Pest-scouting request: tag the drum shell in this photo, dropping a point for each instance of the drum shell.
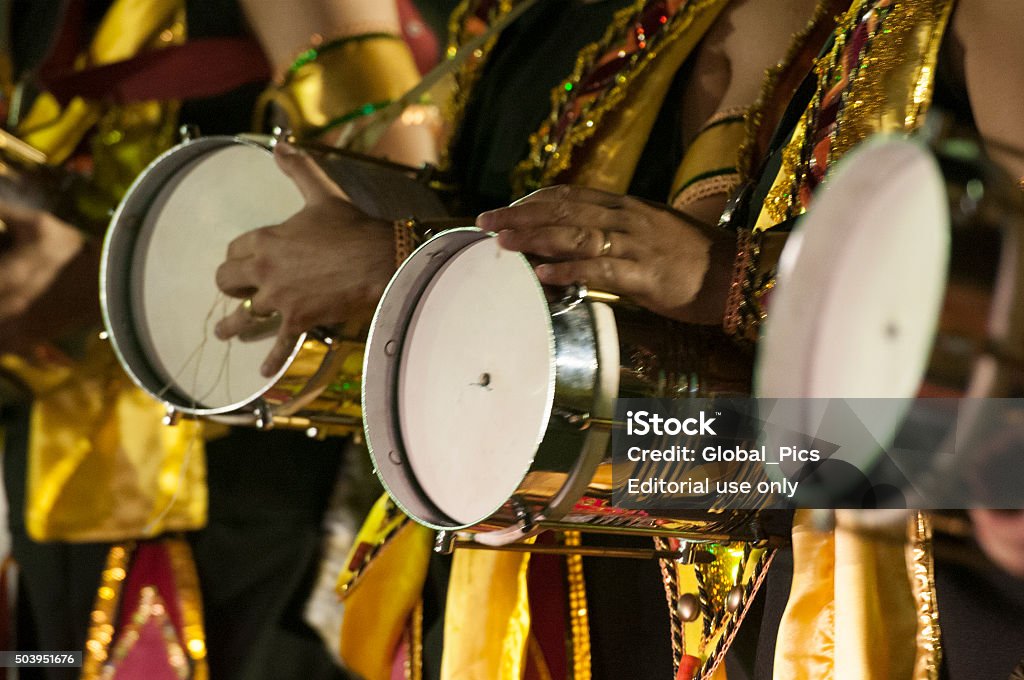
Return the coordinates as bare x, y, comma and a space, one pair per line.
979, 345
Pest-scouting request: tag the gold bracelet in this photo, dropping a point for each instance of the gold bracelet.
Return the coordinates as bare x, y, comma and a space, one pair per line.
340, 81
406, 239
319, 43
701, 188
740, 303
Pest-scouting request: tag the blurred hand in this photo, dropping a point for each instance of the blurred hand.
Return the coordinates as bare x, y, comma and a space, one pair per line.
38, 247
1000, 533
650, 254
329, 263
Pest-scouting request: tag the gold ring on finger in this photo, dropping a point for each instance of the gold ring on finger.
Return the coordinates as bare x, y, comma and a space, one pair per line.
253, 314
606, 247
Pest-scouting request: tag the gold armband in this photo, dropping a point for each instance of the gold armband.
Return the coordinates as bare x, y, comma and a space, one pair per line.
339, 81
407, 239
411, 233
709, 167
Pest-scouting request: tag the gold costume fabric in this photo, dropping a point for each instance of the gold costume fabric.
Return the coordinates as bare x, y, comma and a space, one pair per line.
877, 77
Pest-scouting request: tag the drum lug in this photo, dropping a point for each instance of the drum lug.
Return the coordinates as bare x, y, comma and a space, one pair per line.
573, 418
324, 335
444, 542
280, 134
574, 295
524, 518
172, 416
188, 133
264, 418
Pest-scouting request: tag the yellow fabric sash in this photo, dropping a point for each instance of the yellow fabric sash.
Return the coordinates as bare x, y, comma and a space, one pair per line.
487, 619
378, 601
851, 613
102, 467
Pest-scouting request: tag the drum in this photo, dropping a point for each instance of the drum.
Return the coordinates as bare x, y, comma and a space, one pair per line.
909, 265
487, 407
904, 282
160, 301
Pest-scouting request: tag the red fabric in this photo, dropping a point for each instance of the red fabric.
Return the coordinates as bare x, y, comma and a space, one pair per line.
200, 68
147, 657
67, 42
548, 602
151, 566
418, 36
688, 667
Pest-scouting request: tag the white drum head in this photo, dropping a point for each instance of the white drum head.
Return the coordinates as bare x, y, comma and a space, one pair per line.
861, 281
476, 380
182, 240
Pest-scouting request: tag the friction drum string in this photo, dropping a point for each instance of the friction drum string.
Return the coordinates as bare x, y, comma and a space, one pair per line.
196, 357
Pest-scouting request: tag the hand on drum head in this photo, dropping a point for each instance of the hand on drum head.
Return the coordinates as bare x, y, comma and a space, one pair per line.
326, 264
651, 254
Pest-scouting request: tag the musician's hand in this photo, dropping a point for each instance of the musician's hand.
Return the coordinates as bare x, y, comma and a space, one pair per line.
328, 263
1000, 533
38, 247
650, 254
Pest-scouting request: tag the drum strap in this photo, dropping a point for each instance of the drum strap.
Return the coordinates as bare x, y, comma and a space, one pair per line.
200, 68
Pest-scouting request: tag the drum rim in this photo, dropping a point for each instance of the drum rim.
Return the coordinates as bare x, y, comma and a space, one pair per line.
790, 257
122, 234
374, 430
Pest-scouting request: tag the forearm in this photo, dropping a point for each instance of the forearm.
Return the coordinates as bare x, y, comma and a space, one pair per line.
990, 32
336, 63
286, 27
